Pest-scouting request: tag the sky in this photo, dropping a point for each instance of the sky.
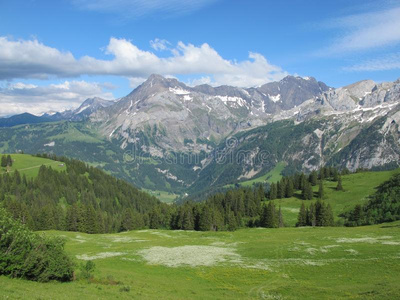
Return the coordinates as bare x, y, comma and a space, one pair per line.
56, 54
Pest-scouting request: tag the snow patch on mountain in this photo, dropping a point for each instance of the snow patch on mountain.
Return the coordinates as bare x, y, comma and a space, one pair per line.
179, 91
275, 98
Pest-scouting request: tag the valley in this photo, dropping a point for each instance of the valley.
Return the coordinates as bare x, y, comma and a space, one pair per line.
159, 139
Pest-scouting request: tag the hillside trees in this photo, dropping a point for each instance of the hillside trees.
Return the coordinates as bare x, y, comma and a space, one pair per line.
383, 206
317, 214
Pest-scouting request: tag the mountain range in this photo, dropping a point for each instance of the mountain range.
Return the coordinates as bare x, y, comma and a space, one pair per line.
168, 136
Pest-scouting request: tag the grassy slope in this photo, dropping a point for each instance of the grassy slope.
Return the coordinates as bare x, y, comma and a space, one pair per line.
272, 176
163, 196
357, 187
288, 263
29, 165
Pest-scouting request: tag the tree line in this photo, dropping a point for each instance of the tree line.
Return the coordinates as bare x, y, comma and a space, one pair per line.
86, 199
288, 185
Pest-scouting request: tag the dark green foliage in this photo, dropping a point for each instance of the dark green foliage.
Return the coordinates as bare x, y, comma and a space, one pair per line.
270, 217
289, 188
313, 178
307, 192
273, 192
87, 269
3, 161
81, 199
321, 190
339, 186
9, 161
318, 214
302, 218
24, 254
383, 206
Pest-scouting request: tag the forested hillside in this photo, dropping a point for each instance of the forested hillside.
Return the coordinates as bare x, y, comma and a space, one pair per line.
82, 198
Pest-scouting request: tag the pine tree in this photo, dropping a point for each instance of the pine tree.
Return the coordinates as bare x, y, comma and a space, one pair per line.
289, 188
302, 217
9, 161
232, 223
273, 192
311, 216
205, 220
321, 190
271, 218
313, 178
339, 186
260, 192
307, 191
4, 161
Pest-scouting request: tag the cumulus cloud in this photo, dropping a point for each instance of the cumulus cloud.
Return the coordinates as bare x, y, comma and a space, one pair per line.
138, 8
32, 59
361, 32
20, 97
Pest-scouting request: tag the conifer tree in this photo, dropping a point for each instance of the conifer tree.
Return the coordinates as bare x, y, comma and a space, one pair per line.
321, 190
9, 161
313, 178
339, 186
271, 218
302, 217
311, 216
307, 191
273, 192
4, 161
205, 220
289, 188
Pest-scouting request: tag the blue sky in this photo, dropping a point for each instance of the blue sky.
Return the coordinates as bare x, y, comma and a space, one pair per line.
54, 54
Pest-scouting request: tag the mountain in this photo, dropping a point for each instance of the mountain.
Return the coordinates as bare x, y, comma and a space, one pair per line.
21, 119
172, 116
88, 107
168, 136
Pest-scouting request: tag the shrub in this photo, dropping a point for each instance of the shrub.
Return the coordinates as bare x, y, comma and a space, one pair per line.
25, 254
87, 269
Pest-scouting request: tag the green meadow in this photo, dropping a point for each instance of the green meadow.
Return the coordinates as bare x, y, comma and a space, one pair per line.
167, 197
30, 165
287, 263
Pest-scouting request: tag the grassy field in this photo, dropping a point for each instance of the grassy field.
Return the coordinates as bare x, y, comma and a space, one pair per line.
163, 196
272, 176
287, 263
29, 165
357, 187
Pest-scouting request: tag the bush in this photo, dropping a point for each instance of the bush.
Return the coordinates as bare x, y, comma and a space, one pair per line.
87, 269
25, 254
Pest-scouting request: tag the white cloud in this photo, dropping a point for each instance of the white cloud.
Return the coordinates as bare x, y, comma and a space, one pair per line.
139, 8
388, 62
31, 59
21, 97
159, 44
365, 31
